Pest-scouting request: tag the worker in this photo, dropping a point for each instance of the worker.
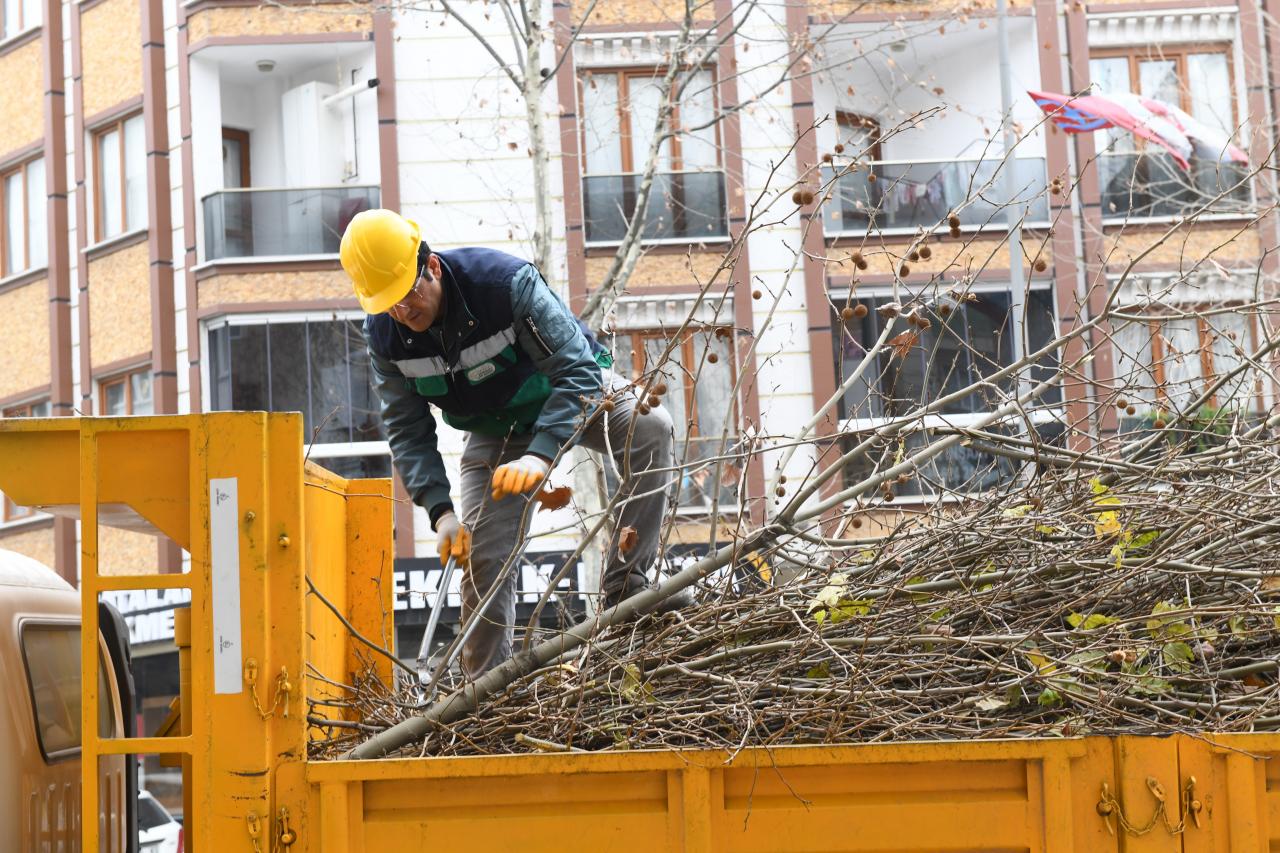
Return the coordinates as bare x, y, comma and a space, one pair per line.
479, 334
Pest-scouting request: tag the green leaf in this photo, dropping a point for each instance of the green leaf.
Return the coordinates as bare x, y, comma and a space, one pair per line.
1237, 626
1151, 686
1092, 660
1047, 530
940, 614
1017, 511
633, 689
1177, 656
917, 597
1142, 540
1049, 698
1090, 622
820, 617
848, 608
822, 670
830, 595
1042, 664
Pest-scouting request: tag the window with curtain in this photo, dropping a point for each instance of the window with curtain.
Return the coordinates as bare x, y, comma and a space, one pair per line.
619, 129
973, 341
126, 394
24, 237
1170, 362
699, 376
20, 16
120, 181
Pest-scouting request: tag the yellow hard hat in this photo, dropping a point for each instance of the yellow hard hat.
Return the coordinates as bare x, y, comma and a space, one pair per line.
380, 252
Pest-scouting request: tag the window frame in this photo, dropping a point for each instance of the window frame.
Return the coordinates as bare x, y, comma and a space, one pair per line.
1138, 53
852, 426
124, 378
19, 168
10, 511
23, 26
115, 125
318, 451
624, 74
847, 119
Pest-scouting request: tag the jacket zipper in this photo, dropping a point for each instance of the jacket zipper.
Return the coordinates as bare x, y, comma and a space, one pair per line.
537, 336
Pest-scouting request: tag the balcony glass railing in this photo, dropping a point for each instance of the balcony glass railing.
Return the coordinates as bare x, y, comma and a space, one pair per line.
257, 223
1152, 184
682, 206
910, 194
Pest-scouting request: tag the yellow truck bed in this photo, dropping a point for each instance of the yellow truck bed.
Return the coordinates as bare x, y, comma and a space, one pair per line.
234, 491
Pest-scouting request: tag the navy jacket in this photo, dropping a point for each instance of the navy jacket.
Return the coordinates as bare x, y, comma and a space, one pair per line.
507, 357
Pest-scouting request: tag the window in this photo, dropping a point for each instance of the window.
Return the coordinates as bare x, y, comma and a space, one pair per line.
1142, 180
1170, 363
51, 653
317, 367
12, 511
20, 16
24, 240
620, 111
973, 341
700, 398
120, 182
127, 394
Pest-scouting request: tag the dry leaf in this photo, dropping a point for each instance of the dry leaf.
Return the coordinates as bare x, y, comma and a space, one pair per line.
902, 344
555, 498
627, 539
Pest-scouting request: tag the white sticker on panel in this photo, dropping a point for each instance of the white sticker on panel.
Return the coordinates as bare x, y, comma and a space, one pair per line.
224, 548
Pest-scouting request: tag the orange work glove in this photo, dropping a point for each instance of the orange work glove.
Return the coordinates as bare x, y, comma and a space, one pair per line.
520, 476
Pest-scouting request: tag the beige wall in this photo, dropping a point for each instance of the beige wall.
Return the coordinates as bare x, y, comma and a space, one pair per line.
267, 20
655, 270
119, 305
24, 337
124, 552
34, 542
111, 50
238, 288
1184, 248
22, 71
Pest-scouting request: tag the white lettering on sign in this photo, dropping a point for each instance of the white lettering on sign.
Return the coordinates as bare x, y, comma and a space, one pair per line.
417, 589
224, 551
148, 612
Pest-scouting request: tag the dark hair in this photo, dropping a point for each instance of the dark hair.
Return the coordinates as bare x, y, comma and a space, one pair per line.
424, 252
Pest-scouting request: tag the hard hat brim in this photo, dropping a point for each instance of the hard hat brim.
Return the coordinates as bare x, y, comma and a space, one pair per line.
382, 301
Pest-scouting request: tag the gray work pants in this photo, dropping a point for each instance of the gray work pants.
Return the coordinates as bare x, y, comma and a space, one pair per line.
497, 533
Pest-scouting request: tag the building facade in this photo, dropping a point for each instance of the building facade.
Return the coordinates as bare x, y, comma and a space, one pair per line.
176, 177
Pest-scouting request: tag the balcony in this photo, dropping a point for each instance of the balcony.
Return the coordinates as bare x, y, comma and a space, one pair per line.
911, 194
261, 223
1152, 185
683, 206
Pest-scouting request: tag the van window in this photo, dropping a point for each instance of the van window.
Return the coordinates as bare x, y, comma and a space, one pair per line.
52, 656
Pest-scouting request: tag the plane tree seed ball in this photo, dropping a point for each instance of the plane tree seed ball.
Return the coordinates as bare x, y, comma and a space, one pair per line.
796, 198
904, 271
660, 388
926, 252
859, 311
953, 221
806, 197
712, 358
846, 313
655, 401
1040, 265
1131, 411
756, 294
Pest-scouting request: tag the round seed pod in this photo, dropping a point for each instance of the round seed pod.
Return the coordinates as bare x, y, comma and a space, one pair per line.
660, 388
1159, 424
913, 256
780, 492
871, 177
1131, 411
1122, 403
806, 197
855, 523
607, 405
756, 294
888, 496
826, 158
782, 478
846, 313
944, 310
654, 401
796, 198
858, 260
859, 311
642, 409
904, 271
712, 358
926, 252
955, 233
953, 221
924, 323
1040, 265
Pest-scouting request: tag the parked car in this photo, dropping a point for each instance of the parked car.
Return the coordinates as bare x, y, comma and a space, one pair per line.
158, 832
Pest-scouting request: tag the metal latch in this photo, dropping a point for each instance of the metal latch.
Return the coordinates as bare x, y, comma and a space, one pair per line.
1109, 807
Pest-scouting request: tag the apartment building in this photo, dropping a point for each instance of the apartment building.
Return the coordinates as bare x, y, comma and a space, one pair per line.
174, 179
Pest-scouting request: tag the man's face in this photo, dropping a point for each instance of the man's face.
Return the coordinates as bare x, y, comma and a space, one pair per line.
421, 304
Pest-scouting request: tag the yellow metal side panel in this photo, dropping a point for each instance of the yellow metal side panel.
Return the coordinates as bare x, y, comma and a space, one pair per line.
1238, 784
989, 796
325, 509
370, 569
1139, 759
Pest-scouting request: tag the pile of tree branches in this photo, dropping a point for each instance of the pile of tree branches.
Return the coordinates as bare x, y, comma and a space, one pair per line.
1135, 593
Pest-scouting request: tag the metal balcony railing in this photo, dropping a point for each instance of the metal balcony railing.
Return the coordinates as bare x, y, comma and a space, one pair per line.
1151, 184
682, 206
257, 223
909, 194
